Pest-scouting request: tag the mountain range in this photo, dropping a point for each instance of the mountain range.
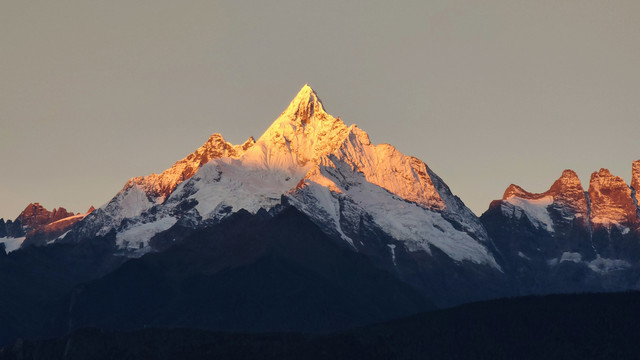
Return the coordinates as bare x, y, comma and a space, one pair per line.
311, 227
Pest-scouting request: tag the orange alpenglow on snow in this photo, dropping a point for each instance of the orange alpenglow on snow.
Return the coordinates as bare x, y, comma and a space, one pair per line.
161, 185
304, 154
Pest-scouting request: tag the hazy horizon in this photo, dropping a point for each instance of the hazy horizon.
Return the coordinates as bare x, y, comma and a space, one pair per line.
486, 94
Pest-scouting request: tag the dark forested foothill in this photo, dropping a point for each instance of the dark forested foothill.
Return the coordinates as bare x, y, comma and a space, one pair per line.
587, 326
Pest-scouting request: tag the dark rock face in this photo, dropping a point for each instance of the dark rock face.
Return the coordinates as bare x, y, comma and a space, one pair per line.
249, 273
566, 239
11, 229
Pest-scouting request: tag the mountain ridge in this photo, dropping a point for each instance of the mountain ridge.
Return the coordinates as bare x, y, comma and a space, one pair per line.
380, 202
36, 225
303, 216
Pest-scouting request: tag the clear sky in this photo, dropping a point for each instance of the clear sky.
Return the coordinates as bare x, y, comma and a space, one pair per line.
487, 93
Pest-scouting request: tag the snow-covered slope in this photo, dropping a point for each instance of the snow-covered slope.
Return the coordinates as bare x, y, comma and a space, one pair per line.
11, 243
400, 195
315, 162
159, 186
280, 158
142, 193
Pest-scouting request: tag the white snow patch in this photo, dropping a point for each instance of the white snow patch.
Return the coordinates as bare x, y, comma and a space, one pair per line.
227, 182
52, 241
393, 253
11, 244
127, 204
134, 202
523, 255
534, 210
138, 236
571, 256
322, 203
603, 265
417, 227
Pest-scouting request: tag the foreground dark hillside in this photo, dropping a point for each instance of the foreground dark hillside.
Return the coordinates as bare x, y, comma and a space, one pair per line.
251, 273
36, 283
588, 326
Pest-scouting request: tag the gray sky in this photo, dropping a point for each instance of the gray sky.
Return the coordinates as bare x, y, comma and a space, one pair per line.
487, 93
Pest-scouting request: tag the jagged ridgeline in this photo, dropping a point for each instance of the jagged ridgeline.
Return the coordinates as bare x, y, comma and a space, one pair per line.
568, 239
37, 226
369, 198
311, 227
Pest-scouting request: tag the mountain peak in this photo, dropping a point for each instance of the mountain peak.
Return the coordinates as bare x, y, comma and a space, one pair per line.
161, 185
566, 194
515, 190
36, 215
297, 139
568, 182
611, 200
304, 105
635, 180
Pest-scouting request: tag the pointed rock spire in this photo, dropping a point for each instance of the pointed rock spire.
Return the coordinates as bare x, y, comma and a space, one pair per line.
36, 215
305, 105
635, 180
567, 185
299, 136
611, 200
247, 144
568, 191
566, 195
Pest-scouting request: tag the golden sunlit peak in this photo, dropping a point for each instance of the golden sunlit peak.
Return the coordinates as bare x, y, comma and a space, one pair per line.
305, 103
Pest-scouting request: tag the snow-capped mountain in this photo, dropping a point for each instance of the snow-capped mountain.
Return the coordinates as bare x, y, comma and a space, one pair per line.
311, 223
142, 193
592, 237
566, 197
608, 203
399, 193
36, 226
371, 198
